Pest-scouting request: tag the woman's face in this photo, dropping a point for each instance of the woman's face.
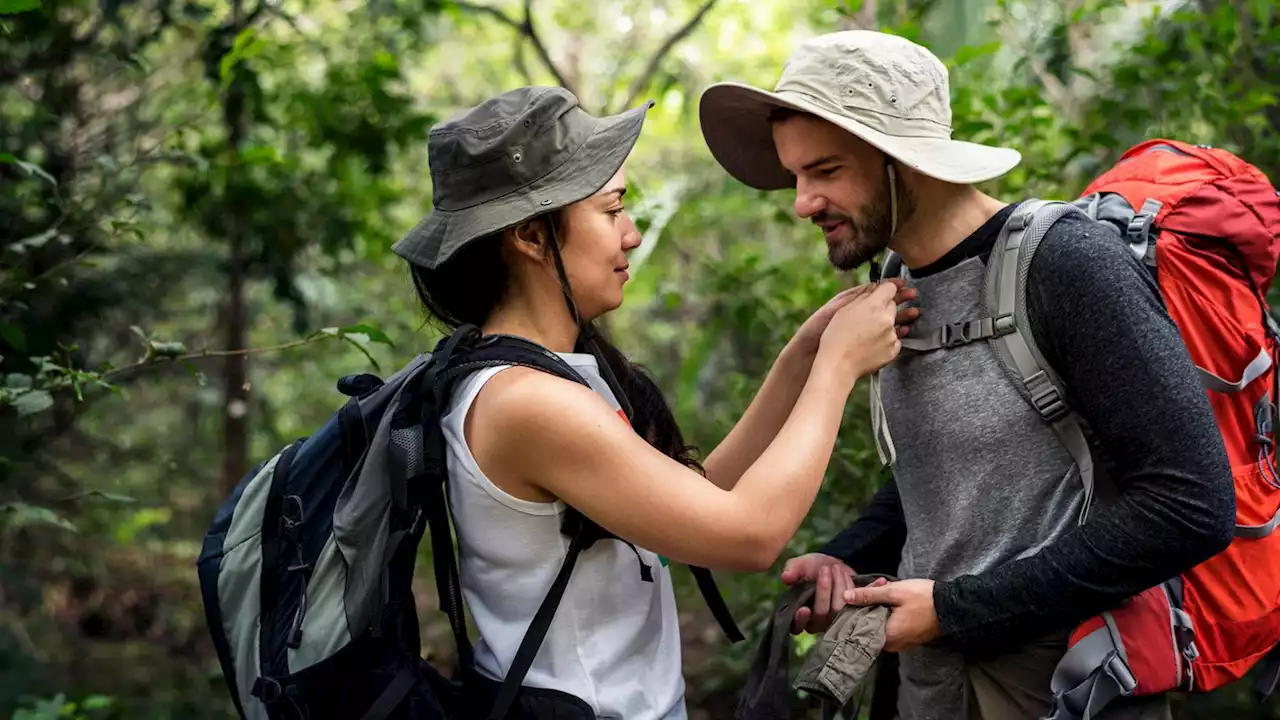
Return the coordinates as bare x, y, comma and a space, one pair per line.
597, 235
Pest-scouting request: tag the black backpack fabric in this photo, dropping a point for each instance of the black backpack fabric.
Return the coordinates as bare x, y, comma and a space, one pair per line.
307, 567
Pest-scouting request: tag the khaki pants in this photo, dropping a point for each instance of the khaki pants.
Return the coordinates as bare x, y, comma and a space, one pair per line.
1016, 687
1012, 687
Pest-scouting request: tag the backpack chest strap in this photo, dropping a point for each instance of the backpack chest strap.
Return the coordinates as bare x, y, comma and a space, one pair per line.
955, 334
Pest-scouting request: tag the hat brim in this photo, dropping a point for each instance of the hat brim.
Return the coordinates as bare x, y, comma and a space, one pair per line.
442, 233
735, 125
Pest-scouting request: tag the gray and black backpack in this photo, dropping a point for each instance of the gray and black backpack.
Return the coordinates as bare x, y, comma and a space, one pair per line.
306, 569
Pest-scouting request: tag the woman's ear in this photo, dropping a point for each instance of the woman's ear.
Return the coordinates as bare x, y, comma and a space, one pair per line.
528, 239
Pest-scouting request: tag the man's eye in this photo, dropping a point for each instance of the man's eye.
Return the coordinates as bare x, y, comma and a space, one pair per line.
829, 171
616, 212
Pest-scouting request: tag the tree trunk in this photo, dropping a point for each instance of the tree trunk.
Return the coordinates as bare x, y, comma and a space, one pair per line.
235, 407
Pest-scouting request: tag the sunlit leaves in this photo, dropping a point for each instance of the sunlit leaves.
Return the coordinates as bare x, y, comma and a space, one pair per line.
12, 7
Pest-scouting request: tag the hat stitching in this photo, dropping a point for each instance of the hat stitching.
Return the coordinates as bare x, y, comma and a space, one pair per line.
534, 181
500, 154
819, 102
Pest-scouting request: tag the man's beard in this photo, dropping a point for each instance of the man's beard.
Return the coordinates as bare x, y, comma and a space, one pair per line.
870, 235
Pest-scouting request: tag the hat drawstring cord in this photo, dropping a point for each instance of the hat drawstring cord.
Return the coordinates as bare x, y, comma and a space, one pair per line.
893, 199
879, 419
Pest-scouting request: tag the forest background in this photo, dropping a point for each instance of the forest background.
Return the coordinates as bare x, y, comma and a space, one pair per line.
197, 200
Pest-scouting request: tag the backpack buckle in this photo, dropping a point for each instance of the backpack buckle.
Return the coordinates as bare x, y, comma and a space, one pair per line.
1139, 227
267, 690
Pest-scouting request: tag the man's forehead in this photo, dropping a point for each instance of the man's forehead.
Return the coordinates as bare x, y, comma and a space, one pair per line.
805, 141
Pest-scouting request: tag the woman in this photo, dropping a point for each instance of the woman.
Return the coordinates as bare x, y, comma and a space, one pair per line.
529, 237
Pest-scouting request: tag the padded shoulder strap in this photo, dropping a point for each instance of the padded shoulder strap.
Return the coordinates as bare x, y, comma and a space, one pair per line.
1006, 297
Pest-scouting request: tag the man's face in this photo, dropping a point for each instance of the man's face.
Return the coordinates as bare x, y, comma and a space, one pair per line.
841, 185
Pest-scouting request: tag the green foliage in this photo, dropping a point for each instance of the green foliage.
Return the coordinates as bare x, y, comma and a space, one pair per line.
59, 707
11, 7
152, 151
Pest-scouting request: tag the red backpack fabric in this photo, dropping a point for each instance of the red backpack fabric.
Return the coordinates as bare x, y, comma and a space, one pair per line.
1209, 224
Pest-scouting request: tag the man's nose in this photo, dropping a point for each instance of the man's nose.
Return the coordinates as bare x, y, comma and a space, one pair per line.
808, 203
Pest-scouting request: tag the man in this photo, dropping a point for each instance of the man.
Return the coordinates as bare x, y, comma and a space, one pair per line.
981, 518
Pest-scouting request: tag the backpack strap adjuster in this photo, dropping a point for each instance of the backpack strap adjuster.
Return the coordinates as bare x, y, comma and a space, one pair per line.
268, 690
1046, 398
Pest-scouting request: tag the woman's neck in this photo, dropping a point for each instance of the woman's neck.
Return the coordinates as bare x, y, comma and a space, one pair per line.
554, 330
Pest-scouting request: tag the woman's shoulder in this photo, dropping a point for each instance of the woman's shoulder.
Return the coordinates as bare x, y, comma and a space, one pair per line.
533, 403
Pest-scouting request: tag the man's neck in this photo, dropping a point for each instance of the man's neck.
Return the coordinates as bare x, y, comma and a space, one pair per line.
944, 216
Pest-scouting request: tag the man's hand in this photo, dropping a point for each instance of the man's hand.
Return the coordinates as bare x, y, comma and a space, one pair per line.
912, 619
832, 579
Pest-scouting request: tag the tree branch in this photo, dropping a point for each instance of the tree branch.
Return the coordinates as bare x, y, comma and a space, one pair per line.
149, 361
526, 29
495, 13
642, 82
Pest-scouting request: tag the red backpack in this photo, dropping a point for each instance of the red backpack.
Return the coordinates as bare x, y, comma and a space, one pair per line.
1208, 224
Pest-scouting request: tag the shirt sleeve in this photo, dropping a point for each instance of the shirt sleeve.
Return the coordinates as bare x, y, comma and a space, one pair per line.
873, 543
1096, 312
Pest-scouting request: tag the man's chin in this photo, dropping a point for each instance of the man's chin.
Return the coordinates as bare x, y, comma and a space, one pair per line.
846, 258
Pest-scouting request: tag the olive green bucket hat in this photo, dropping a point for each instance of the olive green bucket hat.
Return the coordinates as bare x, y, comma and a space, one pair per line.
517, 155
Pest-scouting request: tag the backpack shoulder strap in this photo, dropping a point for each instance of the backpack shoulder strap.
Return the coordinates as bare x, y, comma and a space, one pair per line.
1015, 344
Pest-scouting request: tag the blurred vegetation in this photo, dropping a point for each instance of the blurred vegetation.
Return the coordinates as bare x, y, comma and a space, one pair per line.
197, 198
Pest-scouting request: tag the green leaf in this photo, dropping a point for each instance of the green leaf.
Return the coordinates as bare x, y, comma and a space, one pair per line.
140, 520
32, 402
30, 168
14, 335
18, 381
35, 241
355, 339
96, 702
113, 497
372, 333
168, 349
138, 331
247, 45
13, 7
18, 514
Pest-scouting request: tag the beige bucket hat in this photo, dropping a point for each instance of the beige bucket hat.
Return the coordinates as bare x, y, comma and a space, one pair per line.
883, 88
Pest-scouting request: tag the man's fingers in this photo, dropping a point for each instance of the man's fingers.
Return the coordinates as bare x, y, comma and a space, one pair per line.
840, 584
871, 595
795, 570
801, 621
907, 316
789, 573
822, 595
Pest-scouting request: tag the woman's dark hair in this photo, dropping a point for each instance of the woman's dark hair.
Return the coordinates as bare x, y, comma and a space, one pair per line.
465, 290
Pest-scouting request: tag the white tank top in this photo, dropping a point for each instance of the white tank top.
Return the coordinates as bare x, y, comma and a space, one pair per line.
615, 641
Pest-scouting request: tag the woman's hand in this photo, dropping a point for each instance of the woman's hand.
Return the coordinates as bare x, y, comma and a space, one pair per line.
809, 336
863, 335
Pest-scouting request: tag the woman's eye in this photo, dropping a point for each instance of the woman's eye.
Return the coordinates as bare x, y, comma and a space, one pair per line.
616, 212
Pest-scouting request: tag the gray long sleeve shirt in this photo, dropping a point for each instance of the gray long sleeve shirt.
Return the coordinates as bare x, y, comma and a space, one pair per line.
1097, 314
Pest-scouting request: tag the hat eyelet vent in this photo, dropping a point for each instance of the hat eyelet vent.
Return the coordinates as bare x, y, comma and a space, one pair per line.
517, 156
893, 99
546, 202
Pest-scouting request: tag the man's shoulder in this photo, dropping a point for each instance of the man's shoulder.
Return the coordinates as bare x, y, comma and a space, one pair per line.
1080, 249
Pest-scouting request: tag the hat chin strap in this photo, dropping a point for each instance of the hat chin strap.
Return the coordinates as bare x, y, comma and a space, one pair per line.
587, 332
